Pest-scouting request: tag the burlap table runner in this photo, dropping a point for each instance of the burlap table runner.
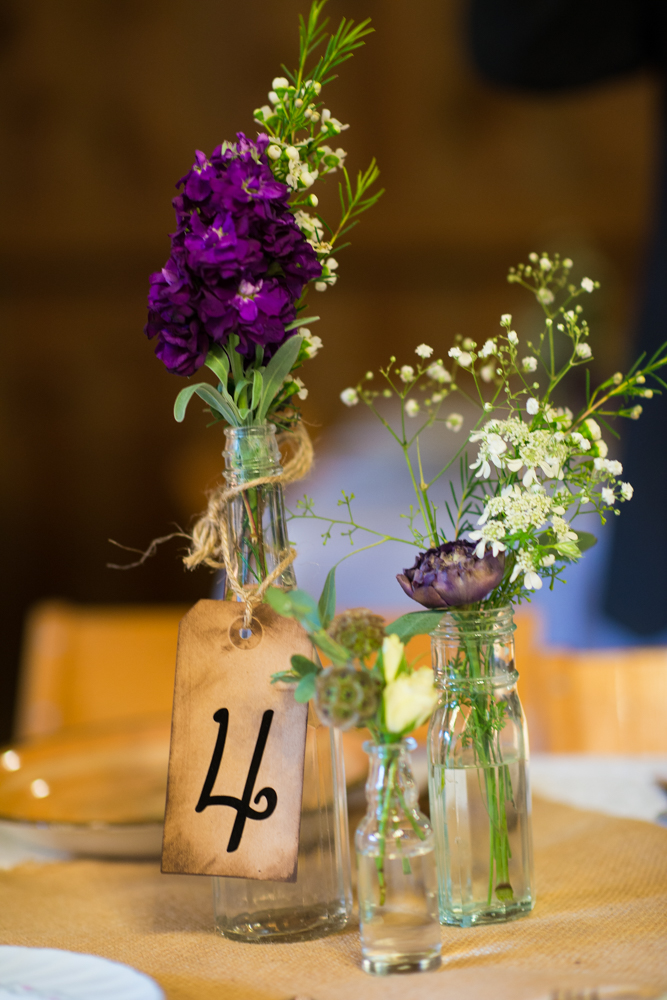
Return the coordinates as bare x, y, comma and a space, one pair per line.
600, 920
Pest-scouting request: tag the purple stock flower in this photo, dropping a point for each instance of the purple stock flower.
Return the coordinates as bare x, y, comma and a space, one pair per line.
239, 262
452, 575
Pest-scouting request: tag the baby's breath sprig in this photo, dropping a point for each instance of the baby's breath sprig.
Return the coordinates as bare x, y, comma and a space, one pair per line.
537, 466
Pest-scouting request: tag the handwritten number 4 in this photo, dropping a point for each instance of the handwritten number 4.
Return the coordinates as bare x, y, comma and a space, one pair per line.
243, 808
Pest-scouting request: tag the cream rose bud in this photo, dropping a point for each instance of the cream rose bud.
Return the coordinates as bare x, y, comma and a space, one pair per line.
392, 654
409, 700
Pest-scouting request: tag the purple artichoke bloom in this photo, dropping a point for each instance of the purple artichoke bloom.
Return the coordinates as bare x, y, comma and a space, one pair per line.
239, 262
452, 575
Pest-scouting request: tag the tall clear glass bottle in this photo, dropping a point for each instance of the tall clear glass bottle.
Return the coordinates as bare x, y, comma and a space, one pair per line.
478, 772
398, 907
320, 901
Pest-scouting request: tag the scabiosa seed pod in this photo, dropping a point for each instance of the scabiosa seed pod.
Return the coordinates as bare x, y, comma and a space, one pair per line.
452, 575
359, 631
345, 697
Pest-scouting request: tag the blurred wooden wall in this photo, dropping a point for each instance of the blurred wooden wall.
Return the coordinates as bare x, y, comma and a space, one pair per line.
102, 103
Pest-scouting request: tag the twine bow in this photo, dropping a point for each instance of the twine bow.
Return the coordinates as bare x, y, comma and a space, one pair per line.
210, 535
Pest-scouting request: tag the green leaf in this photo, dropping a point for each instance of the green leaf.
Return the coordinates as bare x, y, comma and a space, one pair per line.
286, 676
276, 372
218, 362
585, 540
302, 322
257, 386
414, 623
279, 601
221, 402
305, 689
301, 665
330, 647
225, 407
294, 604
327, 602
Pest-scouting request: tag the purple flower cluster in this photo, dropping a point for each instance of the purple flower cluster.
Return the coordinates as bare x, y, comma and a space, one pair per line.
238, 262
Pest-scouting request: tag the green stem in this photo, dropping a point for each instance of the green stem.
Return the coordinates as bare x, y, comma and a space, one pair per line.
382, 831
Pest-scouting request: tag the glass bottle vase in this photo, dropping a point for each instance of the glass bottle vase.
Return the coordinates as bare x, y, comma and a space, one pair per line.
478, 772
397, 888
320, 901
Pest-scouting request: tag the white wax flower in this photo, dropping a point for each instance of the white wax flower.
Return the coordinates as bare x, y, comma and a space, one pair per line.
532, 406
303, 392
349, 396
594, 428
292, 153
424, 351
532, 581
409, 700
280, 83
273, 97
313, 344
274, 151
587, 284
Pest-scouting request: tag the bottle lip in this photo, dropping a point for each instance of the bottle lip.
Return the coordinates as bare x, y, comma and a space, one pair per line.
254, 429
408, 743
471, 621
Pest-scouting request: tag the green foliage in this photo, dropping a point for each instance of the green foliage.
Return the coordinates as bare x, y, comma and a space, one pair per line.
327, 603
414, 623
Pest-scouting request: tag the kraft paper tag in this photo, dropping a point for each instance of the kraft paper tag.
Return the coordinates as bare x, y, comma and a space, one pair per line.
237, 747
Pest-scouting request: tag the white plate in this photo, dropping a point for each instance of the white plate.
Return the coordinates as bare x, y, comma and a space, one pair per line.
51, 974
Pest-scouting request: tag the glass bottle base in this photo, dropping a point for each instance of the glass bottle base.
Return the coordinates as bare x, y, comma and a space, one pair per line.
497, 913
399, 965
275, 926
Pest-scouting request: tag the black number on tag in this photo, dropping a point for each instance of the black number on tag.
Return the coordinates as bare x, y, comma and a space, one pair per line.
243, 808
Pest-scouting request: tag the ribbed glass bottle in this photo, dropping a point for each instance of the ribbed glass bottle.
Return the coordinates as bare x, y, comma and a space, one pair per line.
478, 772
320, 901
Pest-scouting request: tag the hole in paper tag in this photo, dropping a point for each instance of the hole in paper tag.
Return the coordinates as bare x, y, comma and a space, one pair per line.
243, 637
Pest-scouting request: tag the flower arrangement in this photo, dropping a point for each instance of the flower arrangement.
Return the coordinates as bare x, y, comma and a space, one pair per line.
537, 466
529, 469
369, 683
245, 251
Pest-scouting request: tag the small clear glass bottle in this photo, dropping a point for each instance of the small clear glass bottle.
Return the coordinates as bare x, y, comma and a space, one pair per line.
397, 889
478, 772
320, 901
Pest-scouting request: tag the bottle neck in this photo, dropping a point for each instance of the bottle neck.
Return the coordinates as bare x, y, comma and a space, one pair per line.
251, 453
391, 783
475, 648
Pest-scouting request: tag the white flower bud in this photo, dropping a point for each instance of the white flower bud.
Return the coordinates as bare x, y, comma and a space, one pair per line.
292, 153
350, 397
273, 97
407, 373
274, 152
280, 83
532, 406
529, 364
412, 407
313, 200
587, 284
512, 337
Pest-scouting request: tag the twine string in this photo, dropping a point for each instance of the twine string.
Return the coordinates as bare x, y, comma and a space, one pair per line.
210, 535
